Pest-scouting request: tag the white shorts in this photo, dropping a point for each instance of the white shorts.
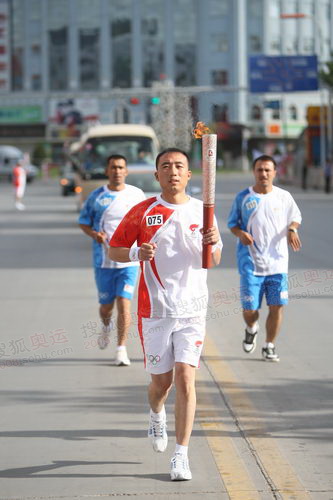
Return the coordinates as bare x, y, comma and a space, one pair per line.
19, 190
167, 341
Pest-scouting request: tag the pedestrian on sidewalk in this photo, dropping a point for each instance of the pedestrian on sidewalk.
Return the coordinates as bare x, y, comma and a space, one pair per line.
265, 220
19, 183
102, 212
173, 296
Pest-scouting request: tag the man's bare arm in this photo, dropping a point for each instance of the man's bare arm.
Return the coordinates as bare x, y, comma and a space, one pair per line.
245, 237
293, 237
100, 237
122, 254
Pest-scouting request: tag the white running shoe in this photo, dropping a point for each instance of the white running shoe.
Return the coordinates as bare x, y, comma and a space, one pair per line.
269, 354
19, 206
180, 469
103, 340
122, 359
250, 342
158, 435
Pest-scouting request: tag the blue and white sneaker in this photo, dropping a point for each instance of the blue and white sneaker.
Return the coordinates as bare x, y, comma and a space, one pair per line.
158, 435
269, 354
250, 342
103, 339
180, 469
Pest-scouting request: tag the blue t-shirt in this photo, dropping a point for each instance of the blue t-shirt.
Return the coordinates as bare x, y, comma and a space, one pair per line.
103, 211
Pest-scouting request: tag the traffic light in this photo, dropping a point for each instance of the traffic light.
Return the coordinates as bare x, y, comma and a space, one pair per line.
155, 100
134, 100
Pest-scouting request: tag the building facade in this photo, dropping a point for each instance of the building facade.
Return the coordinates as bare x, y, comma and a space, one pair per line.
64, 63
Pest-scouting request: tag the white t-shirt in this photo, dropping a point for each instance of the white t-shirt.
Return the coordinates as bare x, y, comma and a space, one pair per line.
173, 284
121, 202
266, 217
103, 211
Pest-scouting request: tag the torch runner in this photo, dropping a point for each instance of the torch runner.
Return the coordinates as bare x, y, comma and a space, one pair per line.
209, 143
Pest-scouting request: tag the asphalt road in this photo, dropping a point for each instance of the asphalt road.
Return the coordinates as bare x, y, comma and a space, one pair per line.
74, 426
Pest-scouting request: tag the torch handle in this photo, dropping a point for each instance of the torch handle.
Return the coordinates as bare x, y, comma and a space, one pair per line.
208, 222
209, 143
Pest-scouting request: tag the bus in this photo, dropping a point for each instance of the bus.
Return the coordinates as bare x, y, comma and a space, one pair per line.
138, 143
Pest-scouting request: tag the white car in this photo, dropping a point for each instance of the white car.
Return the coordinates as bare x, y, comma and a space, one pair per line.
9, 156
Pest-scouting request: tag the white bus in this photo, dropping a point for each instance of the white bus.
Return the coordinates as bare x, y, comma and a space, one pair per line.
138, 143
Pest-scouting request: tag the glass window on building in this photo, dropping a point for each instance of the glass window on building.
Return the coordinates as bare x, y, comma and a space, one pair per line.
121, 41
220, 113
185, 42
309, 44
89, 40
219, 77
218, 8
276, 114
35, 10
307, 7
58, 44
17, 55
89, 44
152, 33
35, 44
255, 8
274, 9
328, 10
219, 42
36, 67
290, 8
290, 44
256, 113
36, 81
255, 43
275, 45
292, 112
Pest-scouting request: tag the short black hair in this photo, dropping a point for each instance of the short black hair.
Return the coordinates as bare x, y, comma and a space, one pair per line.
115, 157
171, 150
264, 158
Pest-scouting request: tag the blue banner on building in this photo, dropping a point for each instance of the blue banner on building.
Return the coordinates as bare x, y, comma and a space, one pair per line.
282, 73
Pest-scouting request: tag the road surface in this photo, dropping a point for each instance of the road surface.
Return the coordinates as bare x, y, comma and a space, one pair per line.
73, 426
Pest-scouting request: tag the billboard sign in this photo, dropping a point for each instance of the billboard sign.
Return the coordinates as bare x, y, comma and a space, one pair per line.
283, 73
68, 116
73, 111
21, 114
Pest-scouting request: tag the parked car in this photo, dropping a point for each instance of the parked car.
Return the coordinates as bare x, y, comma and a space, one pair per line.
9, 156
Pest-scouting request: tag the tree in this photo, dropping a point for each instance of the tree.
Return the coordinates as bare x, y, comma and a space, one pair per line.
326, 74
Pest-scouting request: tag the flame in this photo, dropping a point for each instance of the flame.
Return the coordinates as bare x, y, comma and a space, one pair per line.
200, 130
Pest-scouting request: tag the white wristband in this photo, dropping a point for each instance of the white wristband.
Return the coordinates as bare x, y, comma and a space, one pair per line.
134, 254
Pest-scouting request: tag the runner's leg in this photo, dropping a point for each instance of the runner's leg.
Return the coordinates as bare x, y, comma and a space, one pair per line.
105, 313
158, 390
273, 322
123, 319
185, 402
250, 317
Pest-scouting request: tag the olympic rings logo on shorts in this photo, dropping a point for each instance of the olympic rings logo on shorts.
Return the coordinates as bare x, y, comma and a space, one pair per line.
153, 359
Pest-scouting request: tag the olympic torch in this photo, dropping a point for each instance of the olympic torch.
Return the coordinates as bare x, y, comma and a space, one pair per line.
209, 143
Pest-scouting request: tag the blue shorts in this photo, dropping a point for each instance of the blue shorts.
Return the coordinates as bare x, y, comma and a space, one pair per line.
252, 289
112, 283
